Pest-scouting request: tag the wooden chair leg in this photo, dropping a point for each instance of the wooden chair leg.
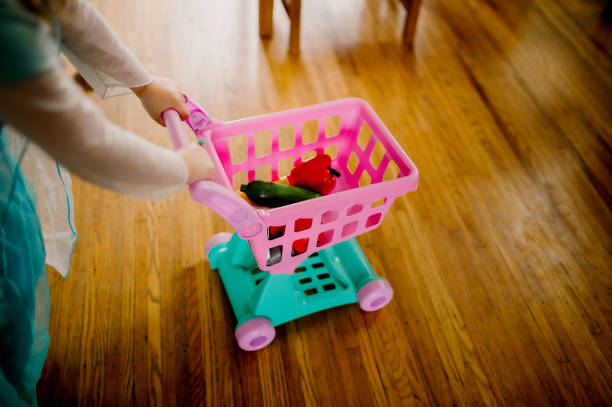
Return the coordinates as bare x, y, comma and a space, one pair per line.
266, 7
412, 14
294, 10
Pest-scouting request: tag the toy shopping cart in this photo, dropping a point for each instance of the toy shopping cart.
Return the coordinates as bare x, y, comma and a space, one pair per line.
268, 283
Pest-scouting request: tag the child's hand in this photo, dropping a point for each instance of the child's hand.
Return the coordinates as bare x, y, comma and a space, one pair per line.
198, 162
159, 95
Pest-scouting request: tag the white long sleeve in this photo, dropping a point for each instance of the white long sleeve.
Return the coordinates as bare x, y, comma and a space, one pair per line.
97, 53
52, 111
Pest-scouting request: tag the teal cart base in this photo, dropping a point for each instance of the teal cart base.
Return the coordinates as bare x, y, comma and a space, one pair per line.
332, 277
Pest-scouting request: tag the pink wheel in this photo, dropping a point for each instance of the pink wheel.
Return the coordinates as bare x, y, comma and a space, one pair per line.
215, 240
375, 295
255, 334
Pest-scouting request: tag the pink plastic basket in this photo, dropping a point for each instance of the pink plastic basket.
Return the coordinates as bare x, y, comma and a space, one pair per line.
375, 170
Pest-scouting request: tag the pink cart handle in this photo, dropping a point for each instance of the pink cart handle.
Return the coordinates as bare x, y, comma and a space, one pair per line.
227, 204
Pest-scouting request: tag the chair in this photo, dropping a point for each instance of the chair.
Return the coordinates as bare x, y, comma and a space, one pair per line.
294, 8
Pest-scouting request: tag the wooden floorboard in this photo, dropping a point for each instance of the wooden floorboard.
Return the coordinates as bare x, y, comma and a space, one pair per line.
500, 261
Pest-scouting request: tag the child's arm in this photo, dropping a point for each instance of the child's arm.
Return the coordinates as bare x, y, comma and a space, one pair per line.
97, 52
107, 64
53, 112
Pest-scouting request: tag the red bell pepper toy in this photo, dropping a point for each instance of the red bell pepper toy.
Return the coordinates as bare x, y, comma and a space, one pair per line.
315, 174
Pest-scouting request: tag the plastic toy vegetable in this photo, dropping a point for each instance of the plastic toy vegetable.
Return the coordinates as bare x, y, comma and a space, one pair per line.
274, 195
300, 245
315, 174
283, 181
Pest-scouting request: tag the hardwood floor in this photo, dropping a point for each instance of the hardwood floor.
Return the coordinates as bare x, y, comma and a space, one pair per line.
500, 261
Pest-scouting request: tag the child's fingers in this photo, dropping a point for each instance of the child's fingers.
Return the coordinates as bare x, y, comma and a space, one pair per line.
179, 102
199, 164
183, 111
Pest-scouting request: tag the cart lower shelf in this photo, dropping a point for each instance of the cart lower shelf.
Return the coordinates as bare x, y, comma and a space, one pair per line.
335, 276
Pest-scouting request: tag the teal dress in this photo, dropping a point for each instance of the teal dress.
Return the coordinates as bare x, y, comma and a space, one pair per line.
24, 290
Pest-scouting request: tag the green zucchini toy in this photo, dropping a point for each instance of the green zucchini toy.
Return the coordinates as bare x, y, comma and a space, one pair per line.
274, 195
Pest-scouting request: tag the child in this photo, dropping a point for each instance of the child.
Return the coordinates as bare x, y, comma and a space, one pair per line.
39, 103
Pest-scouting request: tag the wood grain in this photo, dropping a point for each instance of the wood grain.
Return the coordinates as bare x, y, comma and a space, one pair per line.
500, 262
